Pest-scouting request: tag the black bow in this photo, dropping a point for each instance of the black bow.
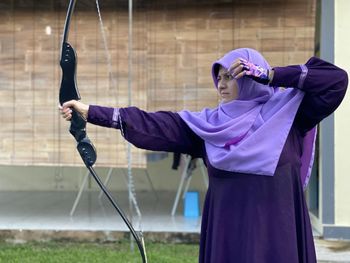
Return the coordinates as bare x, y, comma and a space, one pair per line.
87, 151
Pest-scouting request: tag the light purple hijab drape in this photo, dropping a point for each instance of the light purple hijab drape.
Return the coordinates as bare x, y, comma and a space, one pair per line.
247, 135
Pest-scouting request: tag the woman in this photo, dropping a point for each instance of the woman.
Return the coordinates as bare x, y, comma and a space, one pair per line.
258, 148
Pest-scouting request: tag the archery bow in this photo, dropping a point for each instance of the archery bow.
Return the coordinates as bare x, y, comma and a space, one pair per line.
87, 151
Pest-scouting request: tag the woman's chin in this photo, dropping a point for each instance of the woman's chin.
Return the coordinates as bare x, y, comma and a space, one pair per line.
226, 100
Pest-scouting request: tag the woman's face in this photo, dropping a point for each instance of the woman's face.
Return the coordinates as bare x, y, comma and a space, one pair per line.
227, 86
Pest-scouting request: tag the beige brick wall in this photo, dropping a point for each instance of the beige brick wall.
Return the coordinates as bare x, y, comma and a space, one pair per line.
174, 44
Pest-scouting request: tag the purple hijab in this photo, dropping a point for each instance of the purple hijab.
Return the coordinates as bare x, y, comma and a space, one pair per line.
247, 135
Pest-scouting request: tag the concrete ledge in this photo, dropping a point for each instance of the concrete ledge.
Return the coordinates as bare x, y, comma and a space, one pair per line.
336, 232
22, 236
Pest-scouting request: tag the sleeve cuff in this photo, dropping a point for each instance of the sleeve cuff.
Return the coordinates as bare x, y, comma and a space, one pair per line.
302, 77
103, 116
287, 76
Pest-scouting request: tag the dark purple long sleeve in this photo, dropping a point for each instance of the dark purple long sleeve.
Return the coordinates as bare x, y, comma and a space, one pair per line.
157, 131
103, 116
324, 85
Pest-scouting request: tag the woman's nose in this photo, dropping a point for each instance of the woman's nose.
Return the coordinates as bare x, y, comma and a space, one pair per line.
221, 85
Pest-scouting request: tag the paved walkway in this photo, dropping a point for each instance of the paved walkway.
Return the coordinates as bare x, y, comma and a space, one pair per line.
332, 251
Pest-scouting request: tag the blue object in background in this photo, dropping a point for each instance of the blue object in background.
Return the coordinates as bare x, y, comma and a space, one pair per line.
191, 206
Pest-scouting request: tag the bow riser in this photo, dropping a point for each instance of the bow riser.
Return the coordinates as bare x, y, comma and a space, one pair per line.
69, 90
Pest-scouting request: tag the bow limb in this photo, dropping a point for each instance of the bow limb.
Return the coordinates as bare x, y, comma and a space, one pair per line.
69, 91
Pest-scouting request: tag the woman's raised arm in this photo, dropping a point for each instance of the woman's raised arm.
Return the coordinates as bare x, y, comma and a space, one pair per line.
324, 85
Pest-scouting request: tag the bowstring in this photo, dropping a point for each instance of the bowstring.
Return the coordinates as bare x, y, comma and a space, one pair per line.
114, 83
105, 46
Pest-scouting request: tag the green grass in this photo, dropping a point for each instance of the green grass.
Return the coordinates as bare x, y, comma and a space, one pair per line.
60, 252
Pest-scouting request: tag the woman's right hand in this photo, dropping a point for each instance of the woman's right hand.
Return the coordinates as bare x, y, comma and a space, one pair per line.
66, 109
242, 67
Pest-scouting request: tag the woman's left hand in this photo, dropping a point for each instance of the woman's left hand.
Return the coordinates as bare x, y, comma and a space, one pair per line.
66, 109
242, 67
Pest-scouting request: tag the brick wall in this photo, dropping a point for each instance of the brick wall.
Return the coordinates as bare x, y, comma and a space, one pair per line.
174, 44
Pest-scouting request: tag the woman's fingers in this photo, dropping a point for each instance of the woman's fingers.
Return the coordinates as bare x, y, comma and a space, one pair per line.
234, 66
237, 68
66, 114
66, 109
78, 106
241, 74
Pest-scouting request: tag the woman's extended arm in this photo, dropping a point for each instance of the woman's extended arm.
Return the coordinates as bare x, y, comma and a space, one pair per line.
324, 85
157, 131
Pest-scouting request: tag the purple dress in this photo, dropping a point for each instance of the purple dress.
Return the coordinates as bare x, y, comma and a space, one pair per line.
246, 218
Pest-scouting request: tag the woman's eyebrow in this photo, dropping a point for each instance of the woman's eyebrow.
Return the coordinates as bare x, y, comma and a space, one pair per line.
223, 73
